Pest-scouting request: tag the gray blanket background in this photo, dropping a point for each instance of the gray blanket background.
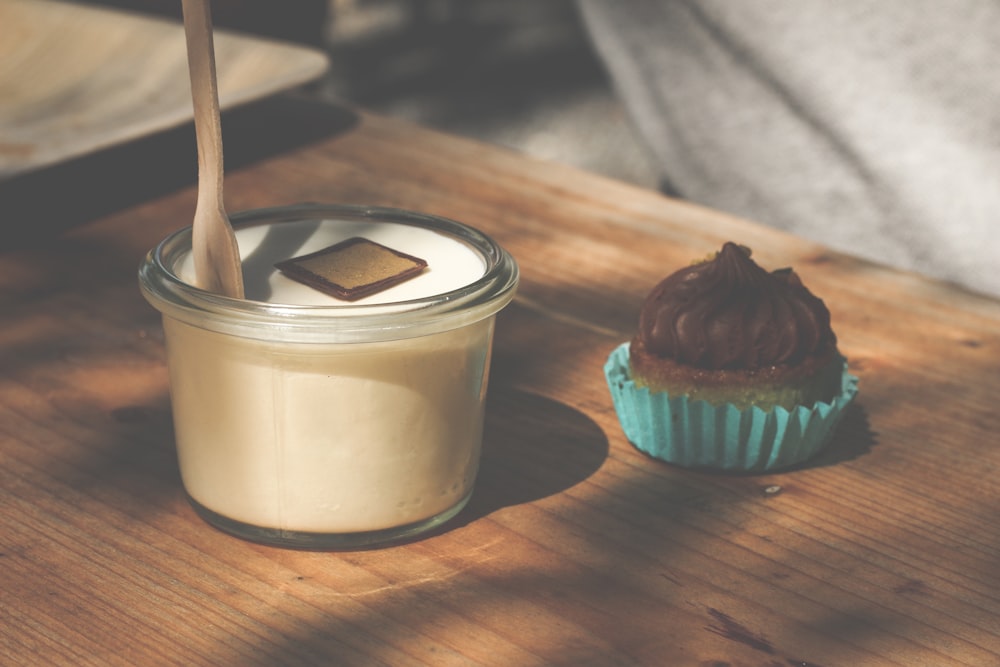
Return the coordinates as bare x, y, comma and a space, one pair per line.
870, 125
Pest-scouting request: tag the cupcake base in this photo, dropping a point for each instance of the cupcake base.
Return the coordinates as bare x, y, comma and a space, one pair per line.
817, 377
698, 434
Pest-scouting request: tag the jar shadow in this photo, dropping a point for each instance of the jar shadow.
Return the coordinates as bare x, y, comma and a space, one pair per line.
533, 448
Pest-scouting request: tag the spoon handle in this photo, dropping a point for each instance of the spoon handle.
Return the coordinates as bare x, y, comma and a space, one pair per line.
216, 253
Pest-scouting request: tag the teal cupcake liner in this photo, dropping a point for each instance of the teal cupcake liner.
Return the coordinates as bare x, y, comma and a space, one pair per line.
697, 434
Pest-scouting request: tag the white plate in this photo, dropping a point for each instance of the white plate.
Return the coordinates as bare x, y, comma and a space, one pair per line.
75, 79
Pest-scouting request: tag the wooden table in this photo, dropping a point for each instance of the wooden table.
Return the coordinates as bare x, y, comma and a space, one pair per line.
576, 549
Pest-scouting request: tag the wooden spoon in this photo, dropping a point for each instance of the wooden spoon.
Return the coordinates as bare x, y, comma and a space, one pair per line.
216, 254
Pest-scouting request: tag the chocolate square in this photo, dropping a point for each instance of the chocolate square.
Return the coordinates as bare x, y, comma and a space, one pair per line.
352, 269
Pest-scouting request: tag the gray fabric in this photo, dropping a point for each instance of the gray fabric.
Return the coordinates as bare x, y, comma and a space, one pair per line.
870, 125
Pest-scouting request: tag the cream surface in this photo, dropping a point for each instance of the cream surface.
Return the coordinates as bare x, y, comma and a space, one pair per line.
450, 263
332, 438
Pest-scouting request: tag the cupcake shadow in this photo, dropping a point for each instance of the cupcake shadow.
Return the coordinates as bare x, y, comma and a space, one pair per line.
852, 439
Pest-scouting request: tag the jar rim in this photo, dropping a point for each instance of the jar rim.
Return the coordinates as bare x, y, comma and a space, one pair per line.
173, 297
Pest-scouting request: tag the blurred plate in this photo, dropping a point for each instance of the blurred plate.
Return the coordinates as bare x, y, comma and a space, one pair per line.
75, 79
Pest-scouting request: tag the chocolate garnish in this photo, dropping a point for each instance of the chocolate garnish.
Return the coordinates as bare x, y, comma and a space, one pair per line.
728, 312
352, 269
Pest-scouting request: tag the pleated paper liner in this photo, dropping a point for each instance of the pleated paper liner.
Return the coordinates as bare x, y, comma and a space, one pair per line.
697, 434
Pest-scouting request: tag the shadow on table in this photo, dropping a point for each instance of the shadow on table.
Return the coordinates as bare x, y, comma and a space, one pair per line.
853, 439
44, 203
562, 448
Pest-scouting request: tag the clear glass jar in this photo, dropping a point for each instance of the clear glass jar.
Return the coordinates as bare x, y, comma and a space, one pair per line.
330, 426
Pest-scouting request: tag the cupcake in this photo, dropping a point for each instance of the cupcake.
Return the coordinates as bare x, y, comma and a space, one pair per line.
732, 367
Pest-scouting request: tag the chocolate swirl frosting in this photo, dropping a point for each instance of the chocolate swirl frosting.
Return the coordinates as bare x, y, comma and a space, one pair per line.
729, 313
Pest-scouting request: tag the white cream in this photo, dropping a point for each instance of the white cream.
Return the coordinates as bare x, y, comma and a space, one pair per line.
450, 263
332, 438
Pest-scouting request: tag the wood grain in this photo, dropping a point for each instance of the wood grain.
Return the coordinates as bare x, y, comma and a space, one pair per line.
576, 548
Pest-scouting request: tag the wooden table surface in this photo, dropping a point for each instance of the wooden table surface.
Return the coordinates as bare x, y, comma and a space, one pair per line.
576, 549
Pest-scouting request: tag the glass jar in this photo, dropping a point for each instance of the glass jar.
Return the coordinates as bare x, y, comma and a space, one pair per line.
326, 424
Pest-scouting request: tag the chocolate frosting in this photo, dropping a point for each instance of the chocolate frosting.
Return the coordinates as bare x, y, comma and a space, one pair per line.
729, 313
